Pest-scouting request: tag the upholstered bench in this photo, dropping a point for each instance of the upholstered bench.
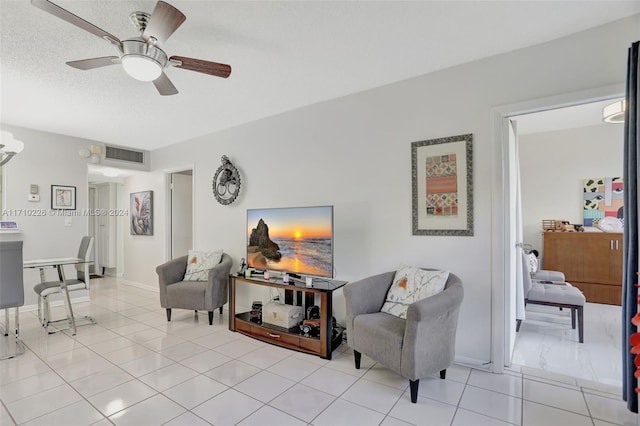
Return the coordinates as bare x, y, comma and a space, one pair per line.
549, 288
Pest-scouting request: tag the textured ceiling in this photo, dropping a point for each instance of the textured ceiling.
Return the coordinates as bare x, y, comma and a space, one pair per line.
284, 54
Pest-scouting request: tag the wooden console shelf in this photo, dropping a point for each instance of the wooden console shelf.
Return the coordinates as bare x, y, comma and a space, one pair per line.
292, 338
591, 261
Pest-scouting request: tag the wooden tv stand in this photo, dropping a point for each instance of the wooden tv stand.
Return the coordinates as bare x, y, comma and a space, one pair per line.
291, 338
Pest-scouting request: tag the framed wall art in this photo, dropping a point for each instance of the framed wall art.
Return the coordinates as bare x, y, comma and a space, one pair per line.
63, 197
603, 197
442, 186
141, 212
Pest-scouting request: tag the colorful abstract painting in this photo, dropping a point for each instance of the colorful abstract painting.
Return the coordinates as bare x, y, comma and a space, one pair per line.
442, 185
603, 197
140, 210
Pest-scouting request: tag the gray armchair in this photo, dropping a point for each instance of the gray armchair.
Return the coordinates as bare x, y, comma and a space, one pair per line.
195, 295
415, 348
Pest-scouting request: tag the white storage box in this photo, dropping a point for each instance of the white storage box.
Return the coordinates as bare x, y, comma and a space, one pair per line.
286, 316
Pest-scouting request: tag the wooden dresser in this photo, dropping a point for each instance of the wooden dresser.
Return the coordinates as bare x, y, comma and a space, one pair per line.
591, 261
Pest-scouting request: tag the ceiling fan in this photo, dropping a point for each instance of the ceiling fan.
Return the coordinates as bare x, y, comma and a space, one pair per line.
141, 57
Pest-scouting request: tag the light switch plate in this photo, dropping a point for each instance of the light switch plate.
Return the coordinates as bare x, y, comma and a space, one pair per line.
33, 189
34, 197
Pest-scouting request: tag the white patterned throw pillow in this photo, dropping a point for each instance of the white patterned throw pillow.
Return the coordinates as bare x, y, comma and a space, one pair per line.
532, 260
410, 285
199, 263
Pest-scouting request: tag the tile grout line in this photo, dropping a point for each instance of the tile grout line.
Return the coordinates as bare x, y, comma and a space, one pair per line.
359, 379
67, 383
522, 379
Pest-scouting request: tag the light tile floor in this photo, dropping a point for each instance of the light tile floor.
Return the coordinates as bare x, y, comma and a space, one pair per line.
546, 341
134, 368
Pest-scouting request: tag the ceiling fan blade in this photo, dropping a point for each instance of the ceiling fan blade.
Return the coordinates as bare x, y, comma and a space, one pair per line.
164, 85
64, 14
205, 67
89, 64
164, 20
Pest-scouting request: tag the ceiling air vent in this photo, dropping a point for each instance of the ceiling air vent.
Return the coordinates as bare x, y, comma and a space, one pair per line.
120, 154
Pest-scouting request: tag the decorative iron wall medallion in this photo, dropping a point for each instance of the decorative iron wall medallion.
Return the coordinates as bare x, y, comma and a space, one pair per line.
226, 182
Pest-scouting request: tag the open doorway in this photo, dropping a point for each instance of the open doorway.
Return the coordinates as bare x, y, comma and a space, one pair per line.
558, 150
108, 218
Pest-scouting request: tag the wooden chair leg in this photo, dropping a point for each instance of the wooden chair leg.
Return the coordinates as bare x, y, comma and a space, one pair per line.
413, 384
168, 314
210, 317
357, 356
443, 374
518, 322
580, 324
220, 310
573, 318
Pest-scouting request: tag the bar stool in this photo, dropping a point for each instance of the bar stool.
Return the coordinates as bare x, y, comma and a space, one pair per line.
47, 288
11, 292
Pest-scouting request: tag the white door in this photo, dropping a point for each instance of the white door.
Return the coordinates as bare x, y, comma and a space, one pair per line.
106, 236
93, 228
514, 296
181, 213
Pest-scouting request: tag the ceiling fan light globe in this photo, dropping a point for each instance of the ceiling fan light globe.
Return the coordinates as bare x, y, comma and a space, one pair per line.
141, 67
10, 145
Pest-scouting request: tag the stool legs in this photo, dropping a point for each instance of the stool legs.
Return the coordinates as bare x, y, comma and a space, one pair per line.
19, 348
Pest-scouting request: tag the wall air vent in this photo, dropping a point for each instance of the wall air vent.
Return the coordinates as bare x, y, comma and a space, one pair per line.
120, 154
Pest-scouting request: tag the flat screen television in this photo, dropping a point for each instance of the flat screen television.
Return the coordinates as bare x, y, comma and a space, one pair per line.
296, 240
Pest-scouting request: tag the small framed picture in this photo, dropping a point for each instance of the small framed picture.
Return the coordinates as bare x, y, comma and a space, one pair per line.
63, 197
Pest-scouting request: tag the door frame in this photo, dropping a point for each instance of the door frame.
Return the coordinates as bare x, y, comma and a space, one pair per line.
500, 184
167, 178
92, 200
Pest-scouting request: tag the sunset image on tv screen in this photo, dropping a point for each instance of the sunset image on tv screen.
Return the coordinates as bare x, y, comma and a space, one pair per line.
297, 240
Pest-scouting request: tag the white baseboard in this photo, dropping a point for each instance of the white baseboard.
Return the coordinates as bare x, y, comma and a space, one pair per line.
59, 302
477, 364
110, 272
140, 285
54, 303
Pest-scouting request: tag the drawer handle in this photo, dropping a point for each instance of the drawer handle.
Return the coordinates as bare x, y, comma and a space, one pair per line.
617, 244
276, 336
611, 241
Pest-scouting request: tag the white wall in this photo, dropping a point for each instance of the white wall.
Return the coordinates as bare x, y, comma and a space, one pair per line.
553, 166
48, 159
181, 214
142, 253
355, 153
